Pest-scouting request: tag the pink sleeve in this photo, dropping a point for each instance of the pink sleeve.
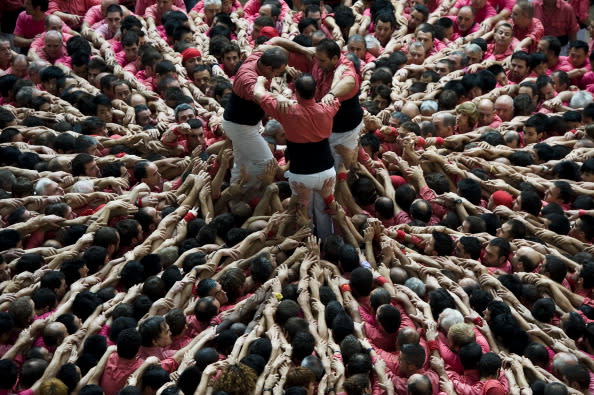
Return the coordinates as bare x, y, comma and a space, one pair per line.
284, 9
461, 3
37, 44
53, 7
251, 8
180, 4
481, 340
491, 12
199, 7
536, 32
150, 13
405, 320
141, 6
93, 16
19, 28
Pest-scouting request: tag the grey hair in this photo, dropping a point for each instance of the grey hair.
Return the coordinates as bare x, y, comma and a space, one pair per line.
450, 318
83, 186
357, 38
272, 127
212, 2
41, 184
416, 44
473, 48
371, 42
580, 99
24, 96
429, 105
416, 285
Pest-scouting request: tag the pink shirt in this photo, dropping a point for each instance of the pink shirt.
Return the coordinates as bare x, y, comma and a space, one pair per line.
558, 22
401, 382
116, 372
251, 9
489, 55
27, 27
78, 7
580, 8
450, 358
39, 42
94, 15
501, 5
459, 33
486, 12
153, 12
535, 32
142, 5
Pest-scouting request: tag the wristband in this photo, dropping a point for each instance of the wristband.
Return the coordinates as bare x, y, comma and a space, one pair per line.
433, 345
393, 131
345, 287
342, 176
139, 202
120, 155
582, 212
439, 141
400, 235
329, 199
421, 141
189, 216
381, 280
478, 321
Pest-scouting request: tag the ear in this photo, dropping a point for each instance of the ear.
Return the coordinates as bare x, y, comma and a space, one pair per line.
152, 227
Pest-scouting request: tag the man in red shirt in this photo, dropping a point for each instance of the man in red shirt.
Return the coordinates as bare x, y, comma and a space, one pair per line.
527, 29
411, 361
307, 125
336, 77
122, 364
558, 19
551, 47
243, 116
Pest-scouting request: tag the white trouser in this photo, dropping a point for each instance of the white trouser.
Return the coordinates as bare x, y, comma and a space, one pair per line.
317, 206
349, 139
249, 150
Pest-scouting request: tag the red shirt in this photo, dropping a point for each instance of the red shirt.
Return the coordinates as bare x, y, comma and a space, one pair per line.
401, 382
324, 79
535, 31
459, 33
116, 372
562, 64
486, 12
153, 12
306, 122
246, 77
558, 22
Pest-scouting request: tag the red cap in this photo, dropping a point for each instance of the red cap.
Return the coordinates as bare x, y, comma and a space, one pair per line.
502, 198
268, 31
397, 181
190, 53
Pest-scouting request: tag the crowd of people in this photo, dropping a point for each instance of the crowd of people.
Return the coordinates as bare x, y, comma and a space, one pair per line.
296, 197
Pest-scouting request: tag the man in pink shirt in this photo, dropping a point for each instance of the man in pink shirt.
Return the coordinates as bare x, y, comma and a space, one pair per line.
495, 256
6, 54
122, 364
464, 23
411, 362
52, 23
30, 22
558, 19
527, 28
155, 12
578, 62
482, 9
487, 116
142, 5
113, 20
53, 48
71, 12
551, 47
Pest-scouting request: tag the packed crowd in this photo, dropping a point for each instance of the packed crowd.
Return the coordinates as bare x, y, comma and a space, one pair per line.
296, 197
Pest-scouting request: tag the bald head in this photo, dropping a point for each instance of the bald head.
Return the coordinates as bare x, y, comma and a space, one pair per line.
20, 66
54, 333
562, 360
407, 335
504, 107
419, 384
398, 275
53, 44
410, 109
53, 22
